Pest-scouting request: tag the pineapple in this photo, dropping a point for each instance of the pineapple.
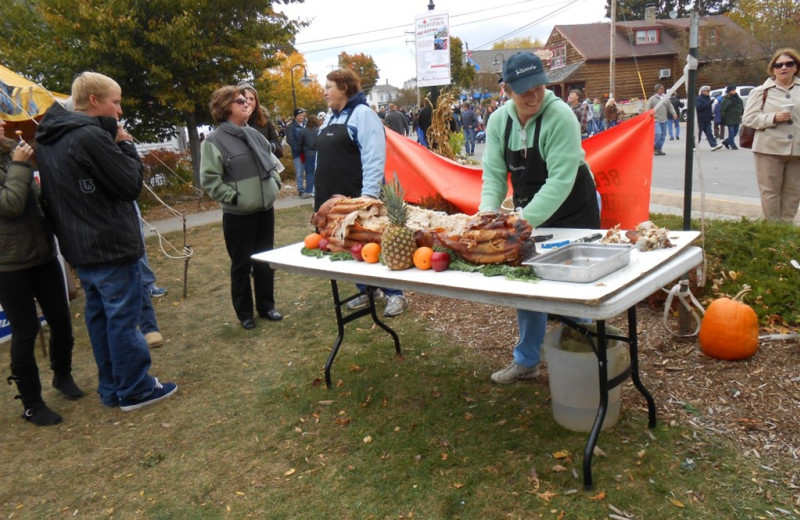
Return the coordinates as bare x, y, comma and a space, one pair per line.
397, 242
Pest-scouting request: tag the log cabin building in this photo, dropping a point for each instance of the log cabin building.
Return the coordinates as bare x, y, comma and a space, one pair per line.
646, 52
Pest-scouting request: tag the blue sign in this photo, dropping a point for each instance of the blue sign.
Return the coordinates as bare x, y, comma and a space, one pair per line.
5, 327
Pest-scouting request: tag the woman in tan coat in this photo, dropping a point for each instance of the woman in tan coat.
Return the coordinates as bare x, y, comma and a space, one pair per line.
776, 144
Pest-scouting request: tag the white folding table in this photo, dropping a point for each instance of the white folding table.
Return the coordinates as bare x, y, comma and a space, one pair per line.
599, 300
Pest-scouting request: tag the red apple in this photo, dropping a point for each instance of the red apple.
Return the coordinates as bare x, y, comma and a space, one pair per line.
440, 260
323, 244
355, 250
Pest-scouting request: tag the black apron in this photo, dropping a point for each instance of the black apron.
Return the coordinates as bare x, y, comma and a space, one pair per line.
339, 169
529, 173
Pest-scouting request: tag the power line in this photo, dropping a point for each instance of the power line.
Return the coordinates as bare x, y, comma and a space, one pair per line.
483, 20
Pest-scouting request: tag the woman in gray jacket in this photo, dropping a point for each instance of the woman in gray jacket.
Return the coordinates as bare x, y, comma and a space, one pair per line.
29, 269
238, 170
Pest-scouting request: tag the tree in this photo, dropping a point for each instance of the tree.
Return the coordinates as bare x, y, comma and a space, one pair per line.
275, 88
461, 74
774, 23
364, 66
628, 10
518, 43
167, 55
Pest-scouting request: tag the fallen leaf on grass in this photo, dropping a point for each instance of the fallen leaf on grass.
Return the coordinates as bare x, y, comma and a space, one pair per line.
367, 439
676, 502
563, 454
326, 402
600, 496
289, 472
458, 486
354, 368
558, 468
546, 496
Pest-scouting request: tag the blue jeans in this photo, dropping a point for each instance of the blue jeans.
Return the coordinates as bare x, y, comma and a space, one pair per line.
532, 326
733, 131
310, 168
113, 311
661, 134
388, 292
677, 125
421, 137
597, 126
705, 128
469, 140
299, 169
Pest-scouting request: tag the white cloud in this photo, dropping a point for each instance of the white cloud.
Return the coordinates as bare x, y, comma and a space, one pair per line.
383, 29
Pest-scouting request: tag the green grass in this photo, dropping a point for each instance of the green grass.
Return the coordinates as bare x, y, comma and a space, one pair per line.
254, 433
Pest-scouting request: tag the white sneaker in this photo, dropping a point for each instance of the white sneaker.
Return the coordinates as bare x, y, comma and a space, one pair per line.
514, 372
715, 148
395, 306
363, 300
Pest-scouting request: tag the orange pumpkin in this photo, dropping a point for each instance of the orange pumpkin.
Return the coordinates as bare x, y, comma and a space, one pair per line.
729, 329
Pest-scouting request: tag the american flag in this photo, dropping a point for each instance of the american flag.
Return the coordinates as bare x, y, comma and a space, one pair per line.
469, 57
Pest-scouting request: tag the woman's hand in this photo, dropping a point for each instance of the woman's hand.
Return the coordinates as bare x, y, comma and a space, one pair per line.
22, 152
783, 117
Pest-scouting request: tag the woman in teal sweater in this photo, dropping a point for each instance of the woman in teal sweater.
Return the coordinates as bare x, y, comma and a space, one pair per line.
536, 138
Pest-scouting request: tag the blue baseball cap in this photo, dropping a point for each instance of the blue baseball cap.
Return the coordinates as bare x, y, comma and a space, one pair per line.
523, 71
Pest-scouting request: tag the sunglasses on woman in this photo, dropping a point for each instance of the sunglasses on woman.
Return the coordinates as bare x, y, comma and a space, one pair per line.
241, 101
787, 64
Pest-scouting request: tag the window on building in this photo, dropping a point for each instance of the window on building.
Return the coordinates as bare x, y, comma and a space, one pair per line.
559, 58
646, 36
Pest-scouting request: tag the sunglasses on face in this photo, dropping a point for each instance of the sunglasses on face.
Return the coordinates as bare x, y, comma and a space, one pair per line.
787, 64
241, 101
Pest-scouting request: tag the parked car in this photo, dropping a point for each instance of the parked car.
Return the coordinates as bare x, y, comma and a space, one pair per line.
742, 90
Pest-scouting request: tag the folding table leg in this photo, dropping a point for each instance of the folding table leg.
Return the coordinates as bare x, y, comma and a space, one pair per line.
342, 320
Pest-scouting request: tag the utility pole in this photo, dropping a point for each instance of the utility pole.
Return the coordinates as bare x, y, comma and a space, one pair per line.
613, 60
684, 325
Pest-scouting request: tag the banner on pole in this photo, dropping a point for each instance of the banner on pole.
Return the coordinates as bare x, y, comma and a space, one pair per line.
432, 36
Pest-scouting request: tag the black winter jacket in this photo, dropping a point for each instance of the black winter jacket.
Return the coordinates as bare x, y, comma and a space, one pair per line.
25, 237
89, 185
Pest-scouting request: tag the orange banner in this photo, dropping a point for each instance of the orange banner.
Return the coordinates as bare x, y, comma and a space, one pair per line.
621, 159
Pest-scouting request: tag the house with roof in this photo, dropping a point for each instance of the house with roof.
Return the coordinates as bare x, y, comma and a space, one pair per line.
382, 94
646, 52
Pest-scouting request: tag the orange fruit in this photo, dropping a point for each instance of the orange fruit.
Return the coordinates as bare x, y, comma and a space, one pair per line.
371, 253
422, 258
312, 241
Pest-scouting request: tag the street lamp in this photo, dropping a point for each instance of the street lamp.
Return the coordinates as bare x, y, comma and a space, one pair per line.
431, 6
499, 63
305, 81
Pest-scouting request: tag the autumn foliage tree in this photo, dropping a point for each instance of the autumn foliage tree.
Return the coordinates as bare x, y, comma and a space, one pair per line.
275, 88
364, 66
167, 55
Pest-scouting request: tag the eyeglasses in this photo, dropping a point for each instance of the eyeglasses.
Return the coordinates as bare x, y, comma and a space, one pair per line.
241, 101
787, 64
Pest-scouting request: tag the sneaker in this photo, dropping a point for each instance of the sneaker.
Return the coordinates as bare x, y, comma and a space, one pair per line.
160, 392
715, 148
514, 372
363, 300
395, 305
659, 152
307, 195
158, 292
154, 339
726, 145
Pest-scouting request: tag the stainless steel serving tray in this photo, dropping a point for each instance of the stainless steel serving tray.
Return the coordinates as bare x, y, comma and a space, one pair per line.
580, 263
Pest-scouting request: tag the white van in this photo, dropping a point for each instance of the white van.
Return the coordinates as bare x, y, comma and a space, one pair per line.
742, 90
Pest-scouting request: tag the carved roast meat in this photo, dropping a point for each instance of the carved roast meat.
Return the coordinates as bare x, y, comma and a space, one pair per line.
484, 238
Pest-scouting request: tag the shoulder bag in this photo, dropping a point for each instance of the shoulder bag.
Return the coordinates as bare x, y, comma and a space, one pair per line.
746, 133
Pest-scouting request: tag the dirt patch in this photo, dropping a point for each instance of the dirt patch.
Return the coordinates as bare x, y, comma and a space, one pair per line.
754, 402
